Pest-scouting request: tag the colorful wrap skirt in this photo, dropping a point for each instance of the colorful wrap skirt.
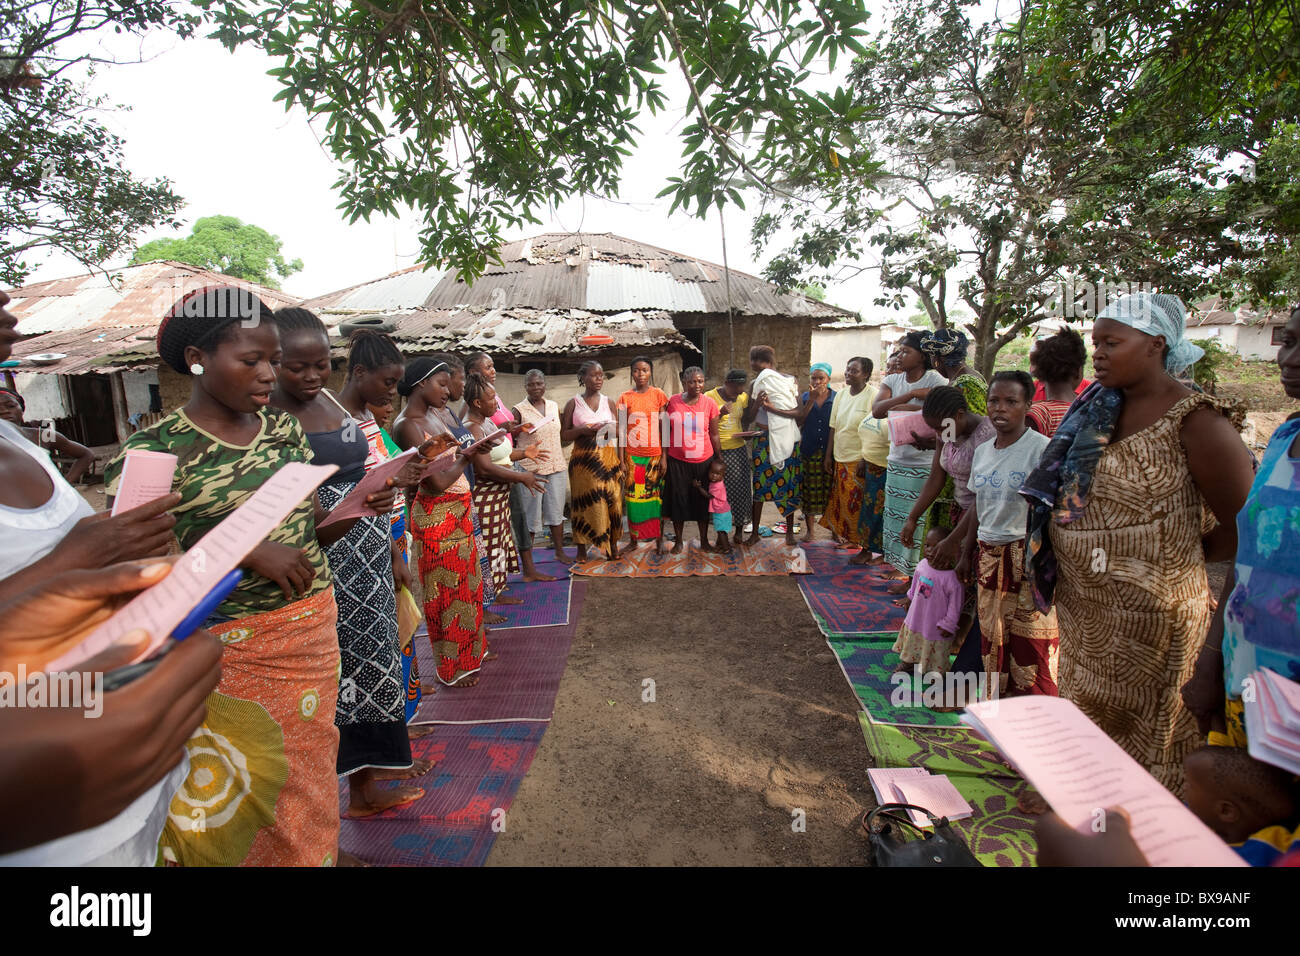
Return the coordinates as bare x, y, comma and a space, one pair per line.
1020, 646
453, 582
815, 483
782, 488
871, 519
844, 511
643, 497
262, 788
903, 484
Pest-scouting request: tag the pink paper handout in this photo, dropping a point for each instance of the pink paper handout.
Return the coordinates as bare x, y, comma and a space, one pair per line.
906, 427
160, 608
146, 476
354, 504
1081, 772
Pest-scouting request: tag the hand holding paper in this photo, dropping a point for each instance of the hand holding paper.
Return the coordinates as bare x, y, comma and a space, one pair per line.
906, 427
376, 480
1081, 772
163, 606
146, 475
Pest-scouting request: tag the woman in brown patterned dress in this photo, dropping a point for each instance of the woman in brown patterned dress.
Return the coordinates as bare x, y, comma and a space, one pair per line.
1131, 591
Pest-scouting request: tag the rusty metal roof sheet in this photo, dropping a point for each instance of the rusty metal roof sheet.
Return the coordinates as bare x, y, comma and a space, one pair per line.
131, 296
525, 331
593, 272
101, 350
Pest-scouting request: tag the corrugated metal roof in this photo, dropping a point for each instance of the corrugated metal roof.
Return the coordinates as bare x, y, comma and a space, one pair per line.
1249, 317
135, 296
595, 272
505, 332
101, 350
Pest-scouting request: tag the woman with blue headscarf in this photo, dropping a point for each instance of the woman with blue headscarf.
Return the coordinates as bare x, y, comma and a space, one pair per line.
1136, 491
814, 420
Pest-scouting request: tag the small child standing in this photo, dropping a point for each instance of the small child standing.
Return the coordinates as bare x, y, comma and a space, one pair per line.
719, 509
934, 602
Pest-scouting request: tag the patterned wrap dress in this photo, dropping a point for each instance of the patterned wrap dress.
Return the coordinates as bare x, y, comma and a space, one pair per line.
1132, 595
372, 692
814, 480
596, 480
451, 574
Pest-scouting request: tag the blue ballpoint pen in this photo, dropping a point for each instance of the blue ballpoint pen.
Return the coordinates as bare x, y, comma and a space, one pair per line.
191, 623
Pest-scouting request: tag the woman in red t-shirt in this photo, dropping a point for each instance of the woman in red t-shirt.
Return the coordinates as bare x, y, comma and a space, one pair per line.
692, 444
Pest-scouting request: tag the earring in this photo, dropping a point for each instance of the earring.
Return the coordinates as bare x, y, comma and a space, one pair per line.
196, 369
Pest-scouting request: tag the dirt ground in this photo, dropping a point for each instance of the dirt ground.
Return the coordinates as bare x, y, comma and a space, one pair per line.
752, 719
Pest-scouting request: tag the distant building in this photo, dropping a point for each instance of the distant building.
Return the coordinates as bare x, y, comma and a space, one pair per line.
593, 284
1252, 335
88, 360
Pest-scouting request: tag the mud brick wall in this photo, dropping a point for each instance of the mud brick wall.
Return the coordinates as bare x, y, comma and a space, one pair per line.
791, 336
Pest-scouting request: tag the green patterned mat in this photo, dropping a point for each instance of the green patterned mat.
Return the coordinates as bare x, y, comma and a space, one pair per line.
868, 664
998, 834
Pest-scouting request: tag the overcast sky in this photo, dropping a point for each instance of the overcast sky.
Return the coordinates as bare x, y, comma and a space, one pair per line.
204, 118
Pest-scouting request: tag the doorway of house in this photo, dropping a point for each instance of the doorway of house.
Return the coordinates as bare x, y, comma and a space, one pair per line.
698, 338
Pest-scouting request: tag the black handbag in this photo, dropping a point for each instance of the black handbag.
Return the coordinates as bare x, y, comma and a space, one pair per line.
943, 847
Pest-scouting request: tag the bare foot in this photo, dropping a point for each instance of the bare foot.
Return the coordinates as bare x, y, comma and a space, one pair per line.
416, 731
677, 547
631, 546
752, 539
469, 680
491, 656
347, 859
377, 800
899, 586
899, 602
861, 559
790, 539
507, 600
563, 558
538, 576
417, 769
491, 617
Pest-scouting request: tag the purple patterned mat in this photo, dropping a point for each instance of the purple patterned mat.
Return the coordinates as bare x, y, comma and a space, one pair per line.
520, 685
466, 802
847, 600
546, 603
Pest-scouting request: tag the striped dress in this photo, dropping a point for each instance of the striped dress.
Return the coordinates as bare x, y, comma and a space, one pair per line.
596, 480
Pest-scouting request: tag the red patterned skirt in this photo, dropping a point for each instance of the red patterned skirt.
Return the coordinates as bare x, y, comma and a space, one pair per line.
452, 580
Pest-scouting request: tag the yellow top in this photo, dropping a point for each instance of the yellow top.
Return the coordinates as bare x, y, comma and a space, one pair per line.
729, 424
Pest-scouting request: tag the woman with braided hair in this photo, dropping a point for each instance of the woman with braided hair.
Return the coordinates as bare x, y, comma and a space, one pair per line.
370, 714
262, 767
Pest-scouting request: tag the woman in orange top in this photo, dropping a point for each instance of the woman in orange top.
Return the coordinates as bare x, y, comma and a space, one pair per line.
644, 460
